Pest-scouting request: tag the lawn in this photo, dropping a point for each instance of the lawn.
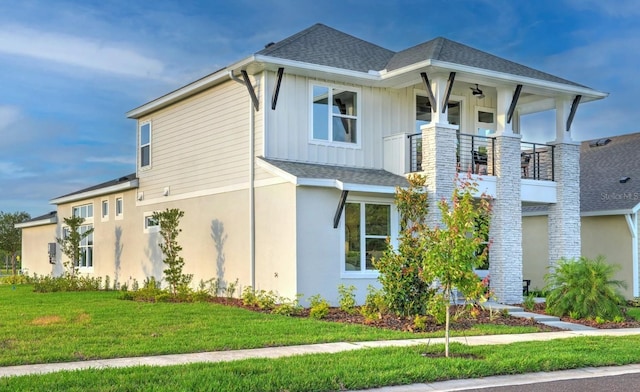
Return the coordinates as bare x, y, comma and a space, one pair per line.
61, 327
359, 369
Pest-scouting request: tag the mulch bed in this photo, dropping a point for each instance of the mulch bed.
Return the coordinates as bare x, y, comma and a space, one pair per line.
628, 323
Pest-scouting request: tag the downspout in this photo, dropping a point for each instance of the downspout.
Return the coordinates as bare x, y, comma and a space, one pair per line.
252, 205
632, 222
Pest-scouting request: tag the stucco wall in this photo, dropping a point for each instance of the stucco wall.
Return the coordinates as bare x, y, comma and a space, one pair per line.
601, 235
609, 236
535, 250
35, 256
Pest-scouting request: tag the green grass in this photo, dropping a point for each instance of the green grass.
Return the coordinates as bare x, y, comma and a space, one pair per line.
360, 369
72, 326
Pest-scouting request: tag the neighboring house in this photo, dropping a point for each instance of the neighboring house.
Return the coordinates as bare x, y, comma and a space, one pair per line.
609, 205
286, 162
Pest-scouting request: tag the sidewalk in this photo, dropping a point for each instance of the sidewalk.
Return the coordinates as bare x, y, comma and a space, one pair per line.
277, 352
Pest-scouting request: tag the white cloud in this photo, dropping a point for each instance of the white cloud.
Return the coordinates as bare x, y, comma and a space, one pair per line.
9, 170
8, 115
77, 51
125, 160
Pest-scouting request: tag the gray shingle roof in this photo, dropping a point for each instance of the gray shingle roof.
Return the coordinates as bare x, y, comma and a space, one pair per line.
50, 215
443, 49
322, 45
128, 177
346, 175
602, 167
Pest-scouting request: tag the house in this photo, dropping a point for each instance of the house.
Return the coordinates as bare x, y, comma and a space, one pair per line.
609, 205
286, 162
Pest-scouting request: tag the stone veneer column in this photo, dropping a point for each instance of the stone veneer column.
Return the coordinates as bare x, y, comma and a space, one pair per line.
564, 215
438, 165
505, 256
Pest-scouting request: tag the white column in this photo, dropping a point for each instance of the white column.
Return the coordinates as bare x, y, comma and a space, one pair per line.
563, 109
439, 88
505, 95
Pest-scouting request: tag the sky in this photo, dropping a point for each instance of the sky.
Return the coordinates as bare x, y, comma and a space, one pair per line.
70, 70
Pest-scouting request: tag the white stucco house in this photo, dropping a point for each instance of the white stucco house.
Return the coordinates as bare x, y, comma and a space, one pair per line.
286, 163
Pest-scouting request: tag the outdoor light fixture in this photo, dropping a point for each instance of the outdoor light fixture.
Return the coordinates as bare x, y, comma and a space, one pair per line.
477, 92
624, 179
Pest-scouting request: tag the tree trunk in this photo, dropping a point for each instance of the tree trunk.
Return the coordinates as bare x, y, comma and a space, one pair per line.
13, 263
446, 324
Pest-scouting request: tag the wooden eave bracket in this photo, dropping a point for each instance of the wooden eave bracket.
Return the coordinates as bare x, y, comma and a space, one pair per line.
572, 113
336, 217
427, 86
252, 92
276, 90
514, 102
445, 99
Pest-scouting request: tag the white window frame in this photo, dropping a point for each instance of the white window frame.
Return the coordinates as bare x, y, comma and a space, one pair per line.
147, 223
452, 98
86, 244
104, 210
119, 214
492, 127
394, 227
330, 115
141, 146
83, 210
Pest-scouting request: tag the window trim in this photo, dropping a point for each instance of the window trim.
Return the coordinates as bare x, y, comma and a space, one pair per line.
104, 217
140, 145
146, 228
65, 233
121, 214
477, 123
79, 207
394, 227
357, 117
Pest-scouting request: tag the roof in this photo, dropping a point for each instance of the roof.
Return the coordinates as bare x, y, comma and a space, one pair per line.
320, 44
345, 178
118, 184
325, 52
46, 219
445, 50
602, 166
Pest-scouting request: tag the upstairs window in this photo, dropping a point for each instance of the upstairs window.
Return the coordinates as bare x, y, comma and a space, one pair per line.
119, 207
84, 211
334, 115
145, 144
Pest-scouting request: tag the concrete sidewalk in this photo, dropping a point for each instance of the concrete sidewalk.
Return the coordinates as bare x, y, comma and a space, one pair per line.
277, 352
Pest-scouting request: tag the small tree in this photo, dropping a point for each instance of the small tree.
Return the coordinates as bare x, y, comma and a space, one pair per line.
454, 249
70, 242
406, 288
169, 220
10, 237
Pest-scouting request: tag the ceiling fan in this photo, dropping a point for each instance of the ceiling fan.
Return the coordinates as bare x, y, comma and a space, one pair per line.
477, 92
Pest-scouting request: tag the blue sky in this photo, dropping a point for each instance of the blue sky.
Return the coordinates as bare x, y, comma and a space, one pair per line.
70, 70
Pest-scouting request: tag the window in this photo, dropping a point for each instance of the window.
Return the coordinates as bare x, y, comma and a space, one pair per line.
119, 207
485, 121
423, 112
105, 209
145, 144
84, 211
151, 225
334, 115
367, 226
86, 248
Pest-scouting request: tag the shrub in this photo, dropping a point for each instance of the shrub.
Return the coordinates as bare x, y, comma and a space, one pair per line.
15, 279
584, 288
319, 307
529, 302
374, 305
347, 298
287, 307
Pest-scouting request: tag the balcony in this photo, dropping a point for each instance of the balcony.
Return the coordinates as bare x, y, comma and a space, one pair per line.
475, 154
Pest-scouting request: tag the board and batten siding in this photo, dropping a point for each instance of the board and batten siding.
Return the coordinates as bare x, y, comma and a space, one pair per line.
382, 112
200, 143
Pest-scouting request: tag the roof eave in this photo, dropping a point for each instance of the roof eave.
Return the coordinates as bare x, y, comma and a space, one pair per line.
190, 89
132, 184
40, 222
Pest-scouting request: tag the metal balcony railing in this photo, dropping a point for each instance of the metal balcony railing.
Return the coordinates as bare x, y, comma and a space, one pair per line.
474, 154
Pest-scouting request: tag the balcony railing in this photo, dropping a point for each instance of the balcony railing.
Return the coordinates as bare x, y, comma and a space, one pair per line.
475, 154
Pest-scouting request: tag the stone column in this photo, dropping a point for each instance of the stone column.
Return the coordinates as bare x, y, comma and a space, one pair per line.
505, 231
438, 165
564, 215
